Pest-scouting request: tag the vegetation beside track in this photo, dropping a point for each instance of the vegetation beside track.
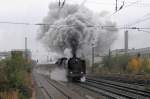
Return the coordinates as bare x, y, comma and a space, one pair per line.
123, 64
15, 76
125, 68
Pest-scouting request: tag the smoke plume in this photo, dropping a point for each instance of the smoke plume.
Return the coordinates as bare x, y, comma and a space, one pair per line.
59, 74
76, 28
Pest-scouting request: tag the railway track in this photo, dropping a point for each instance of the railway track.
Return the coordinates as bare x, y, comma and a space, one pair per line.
69, 94
82, 91
125, 85
106, 88
54, 90
115, 90
42, 92
141, 80
45, 92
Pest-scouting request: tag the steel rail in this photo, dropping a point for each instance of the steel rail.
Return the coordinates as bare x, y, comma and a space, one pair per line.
118, 89
68, 97
112, 92
44, 91
99, 91
124, 87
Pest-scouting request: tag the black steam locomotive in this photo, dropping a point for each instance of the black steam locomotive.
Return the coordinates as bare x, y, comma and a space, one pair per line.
76, 69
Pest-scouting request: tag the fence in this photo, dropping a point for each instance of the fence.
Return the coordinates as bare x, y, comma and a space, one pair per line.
8, 94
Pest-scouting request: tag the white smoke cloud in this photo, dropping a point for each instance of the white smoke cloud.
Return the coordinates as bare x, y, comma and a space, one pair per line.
67, 53
59, 74
70, 29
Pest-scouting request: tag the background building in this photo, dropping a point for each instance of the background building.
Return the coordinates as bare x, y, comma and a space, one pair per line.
3, 55
144, 52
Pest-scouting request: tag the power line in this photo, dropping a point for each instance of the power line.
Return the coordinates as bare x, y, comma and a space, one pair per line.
113, 4
82, 4
125, 7
61, 26
139, 21
145, 17
144, 31
9, 22
116, 8
61, 4
110, 3
121, 5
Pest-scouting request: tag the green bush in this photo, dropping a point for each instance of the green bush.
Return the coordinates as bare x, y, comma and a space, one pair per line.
116, 63
14, 70
145, 65
25, 92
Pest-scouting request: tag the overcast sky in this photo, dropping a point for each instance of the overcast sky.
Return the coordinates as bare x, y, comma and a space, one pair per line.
33, 11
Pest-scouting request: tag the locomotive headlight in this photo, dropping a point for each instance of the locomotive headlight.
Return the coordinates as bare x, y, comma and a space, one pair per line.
70, 72
81, 72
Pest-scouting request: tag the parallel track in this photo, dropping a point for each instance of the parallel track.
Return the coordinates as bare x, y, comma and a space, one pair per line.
42, 89
45, 92
69, 94
137, 89
140, 80
114, 90
48, 91
55, 86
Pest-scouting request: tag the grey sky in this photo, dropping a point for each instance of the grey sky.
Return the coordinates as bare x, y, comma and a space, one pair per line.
33, 11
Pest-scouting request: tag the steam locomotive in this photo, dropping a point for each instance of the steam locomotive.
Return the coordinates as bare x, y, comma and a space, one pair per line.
76, 69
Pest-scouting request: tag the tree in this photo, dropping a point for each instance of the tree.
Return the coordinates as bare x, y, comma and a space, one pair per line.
116, 63
146, 65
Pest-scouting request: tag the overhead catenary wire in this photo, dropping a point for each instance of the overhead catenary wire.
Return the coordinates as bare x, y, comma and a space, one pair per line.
120, 2
139, 21
144, 31
83, 2
61, 4
9, 22
121, 7
124, 7
61, 26
107, 3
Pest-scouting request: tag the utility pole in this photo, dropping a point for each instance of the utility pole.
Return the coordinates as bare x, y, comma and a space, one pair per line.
126, 41
26, 48
47, 59
92, 58
109, 58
